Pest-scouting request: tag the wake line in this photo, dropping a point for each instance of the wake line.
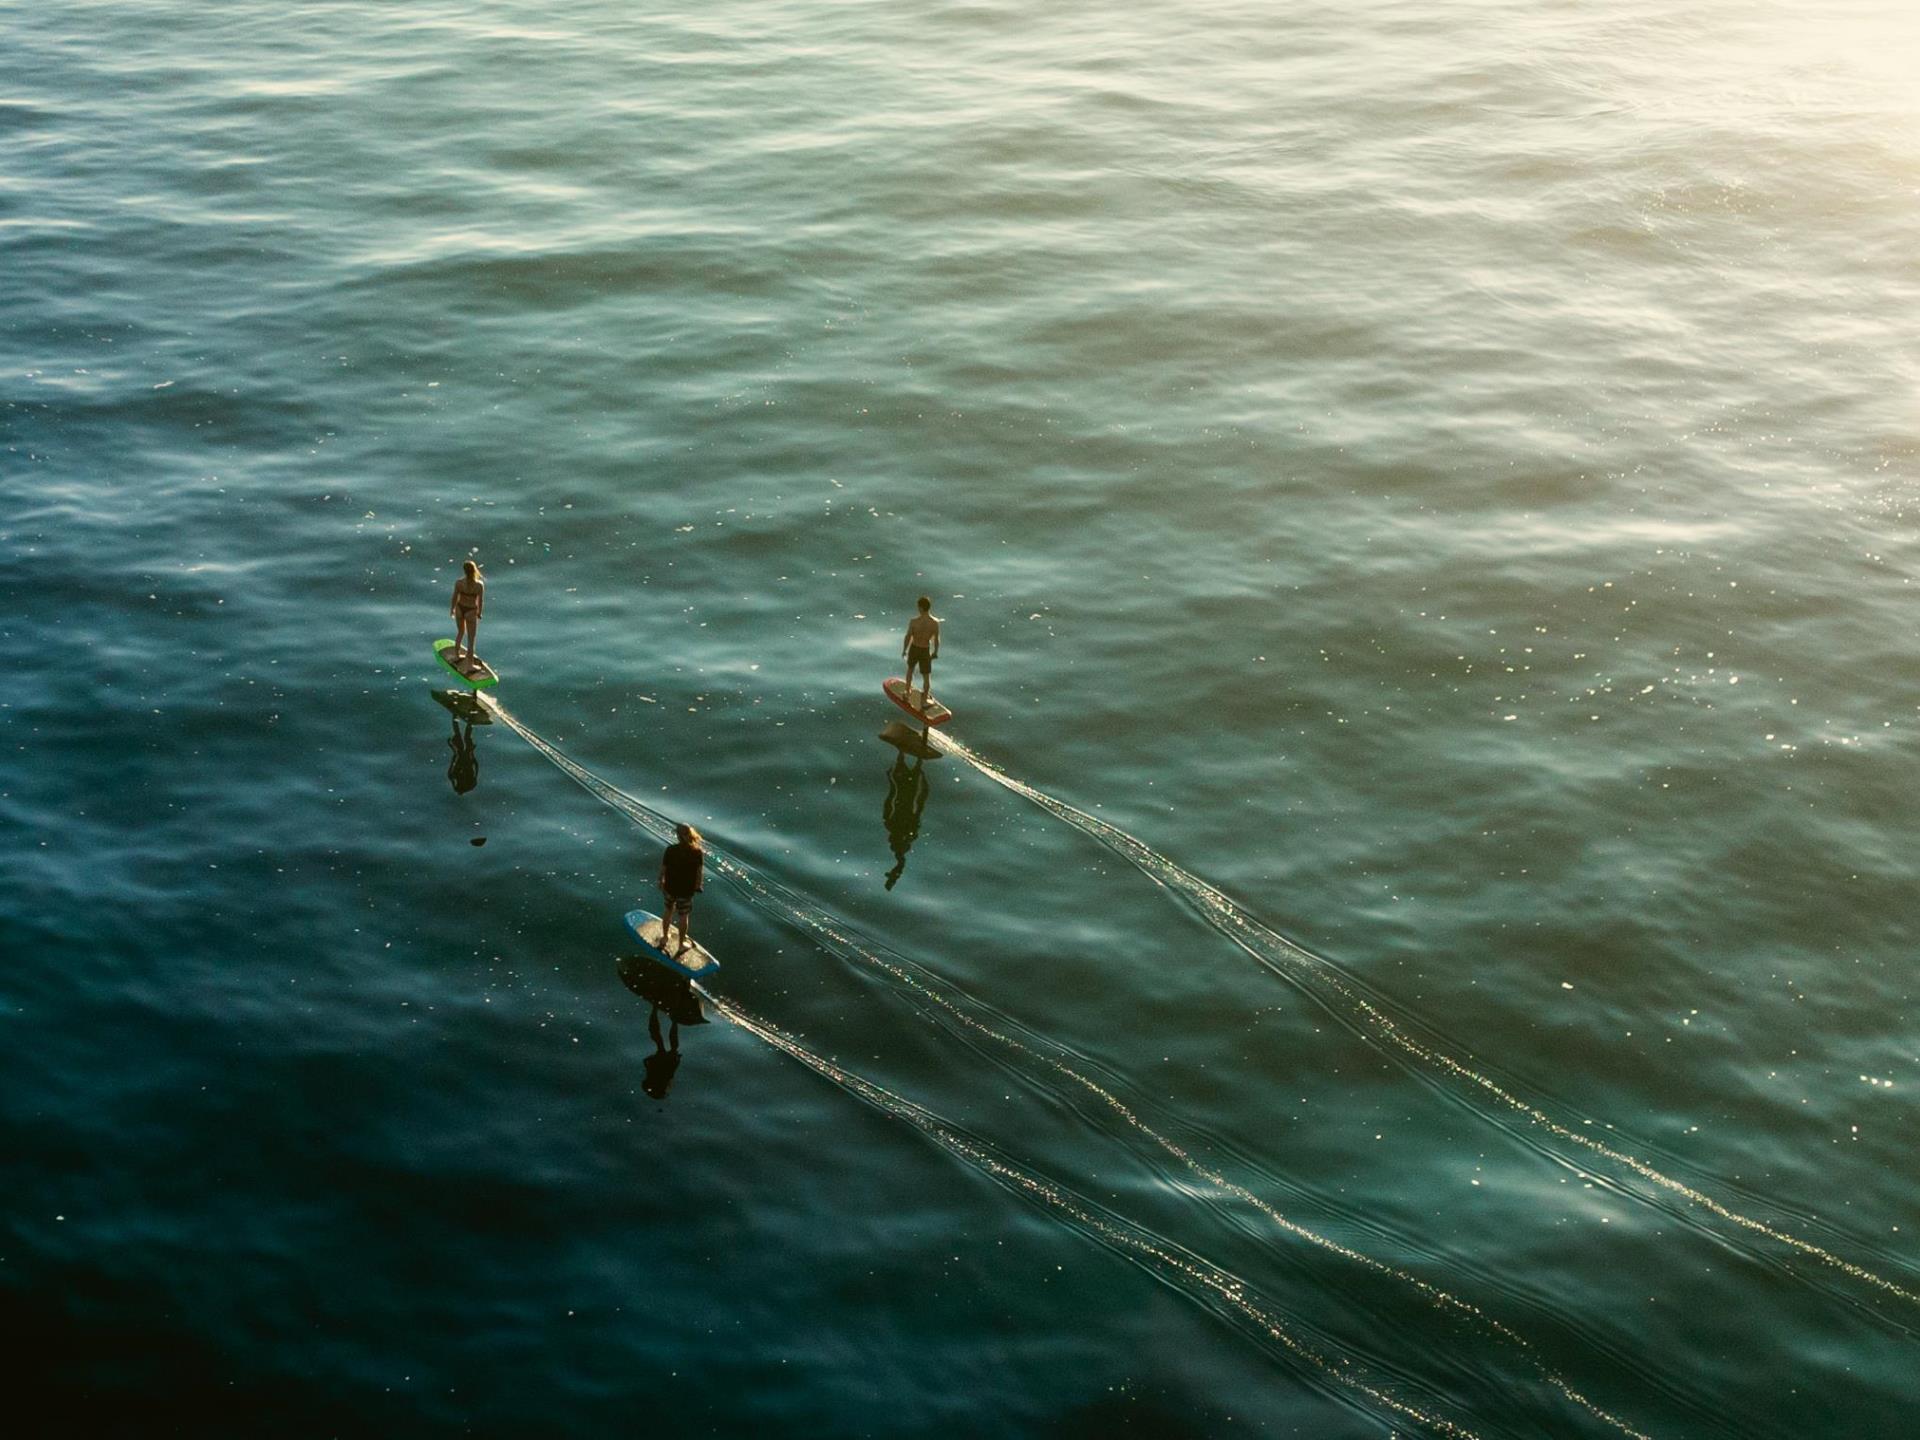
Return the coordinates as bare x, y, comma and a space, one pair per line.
1295, 962
789, 906
1180, 1271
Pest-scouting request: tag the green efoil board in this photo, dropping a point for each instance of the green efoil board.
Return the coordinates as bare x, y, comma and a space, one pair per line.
475, 671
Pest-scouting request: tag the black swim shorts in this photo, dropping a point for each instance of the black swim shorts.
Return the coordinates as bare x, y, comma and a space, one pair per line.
919, 658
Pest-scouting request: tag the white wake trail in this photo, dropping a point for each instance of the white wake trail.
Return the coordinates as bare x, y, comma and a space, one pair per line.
1301, 966
1184, 1272
786, 905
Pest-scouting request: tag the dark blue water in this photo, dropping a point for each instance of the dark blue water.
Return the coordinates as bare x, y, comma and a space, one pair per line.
1412, 931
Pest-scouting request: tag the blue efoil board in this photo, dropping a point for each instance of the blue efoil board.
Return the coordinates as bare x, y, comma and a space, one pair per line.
694, 961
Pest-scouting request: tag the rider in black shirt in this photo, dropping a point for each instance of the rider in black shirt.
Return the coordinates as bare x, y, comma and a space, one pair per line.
682, 875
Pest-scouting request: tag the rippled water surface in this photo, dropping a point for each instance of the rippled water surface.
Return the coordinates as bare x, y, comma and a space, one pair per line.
1413, 930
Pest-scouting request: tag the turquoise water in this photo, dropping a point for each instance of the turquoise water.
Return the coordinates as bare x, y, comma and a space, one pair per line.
1413, 932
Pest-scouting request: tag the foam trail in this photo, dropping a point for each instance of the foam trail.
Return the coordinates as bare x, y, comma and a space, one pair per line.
1189, 1274
789, 906
1296, 963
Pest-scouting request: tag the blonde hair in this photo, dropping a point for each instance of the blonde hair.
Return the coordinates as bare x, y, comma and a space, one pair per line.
473, 570
689, 836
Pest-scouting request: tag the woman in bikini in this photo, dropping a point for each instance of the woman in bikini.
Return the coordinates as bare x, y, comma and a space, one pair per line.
469, 600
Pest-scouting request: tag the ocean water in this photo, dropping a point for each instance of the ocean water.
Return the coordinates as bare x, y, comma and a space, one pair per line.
1412, 931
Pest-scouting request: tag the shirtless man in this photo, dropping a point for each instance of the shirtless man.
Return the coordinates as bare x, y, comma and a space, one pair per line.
922, 647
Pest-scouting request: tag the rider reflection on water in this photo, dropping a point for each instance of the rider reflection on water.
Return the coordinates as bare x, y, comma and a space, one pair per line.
659, 1067
906, 801
463, 770
674, 995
